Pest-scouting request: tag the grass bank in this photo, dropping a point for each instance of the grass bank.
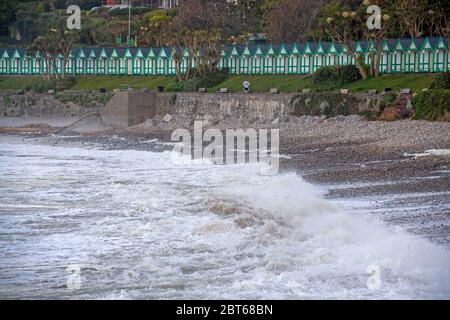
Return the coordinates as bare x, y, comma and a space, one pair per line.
292, 83
89, 83
110, 83
18, 83
263, 83
259, 83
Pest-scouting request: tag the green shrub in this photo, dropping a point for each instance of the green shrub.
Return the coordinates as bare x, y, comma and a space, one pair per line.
54, 84
442, 81
7, 100
205, 81
198, 81
172, 12
44, 85
173, 99
432, 104
388, 100
176, 86
329, 104
330, 77
66, 83
118, 12
84, 100
192, 84
104, 99
349, 74
325, 74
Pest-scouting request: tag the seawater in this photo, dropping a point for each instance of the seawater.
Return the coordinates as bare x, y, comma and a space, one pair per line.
141, 226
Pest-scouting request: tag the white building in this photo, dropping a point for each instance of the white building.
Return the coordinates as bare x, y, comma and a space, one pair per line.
166, 4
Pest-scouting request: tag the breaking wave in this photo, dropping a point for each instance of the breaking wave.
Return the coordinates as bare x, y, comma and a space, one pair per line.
141, 226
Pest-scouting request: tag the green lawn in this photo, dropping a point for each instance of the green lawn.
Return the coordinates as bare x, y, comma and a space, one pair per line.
17, 83
294, 83
89, 83
263, 83
259, 83
416, 82
110, 83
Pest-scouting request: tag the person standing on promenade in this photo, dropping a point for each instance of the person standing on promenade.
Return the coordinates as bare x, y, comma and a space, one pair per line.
246, 86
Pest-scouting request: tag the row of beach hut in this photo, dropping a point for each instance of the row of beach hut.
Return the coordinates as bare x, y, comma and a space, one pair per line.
398, 56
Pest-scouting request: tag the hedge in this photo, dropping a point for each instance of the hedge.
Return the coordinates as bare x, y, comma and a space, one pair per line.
442, 81
336, 75
432, 105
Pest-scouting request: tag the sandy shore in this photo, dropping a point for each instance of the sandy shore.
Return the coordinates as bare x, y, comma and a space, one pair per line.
401, 166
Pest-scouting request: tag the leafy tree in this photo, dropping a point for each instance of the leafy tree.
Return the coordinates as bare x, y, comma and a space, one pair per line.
202, 46
57, 42
377, 36
59, 4
177, 40
155, 24
293, 21
413, 15
47, 48
29, 23
204, 15
420, 18
246, 16
83, 4
66, 41
268, 5
7, 10
438, 21
345, 25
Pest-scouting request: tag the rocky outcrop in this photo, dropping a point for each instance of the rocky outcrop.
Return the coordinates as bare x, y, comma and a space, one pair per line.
332, 104
64, 104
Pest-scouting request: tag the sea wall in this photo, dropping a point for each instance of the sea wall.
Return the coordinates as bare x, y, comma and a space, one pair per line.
218, 107
265, 106
129, 108
64, 104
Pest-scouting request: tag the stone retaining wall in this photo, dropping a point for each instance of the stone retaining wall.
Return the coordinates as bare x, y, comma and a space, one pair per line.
237, 106
64, 104
265, 106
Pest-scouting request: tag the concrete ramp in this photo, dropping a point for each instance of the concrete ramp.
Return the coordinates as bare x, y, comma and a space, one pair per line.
129, 108
90, 123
